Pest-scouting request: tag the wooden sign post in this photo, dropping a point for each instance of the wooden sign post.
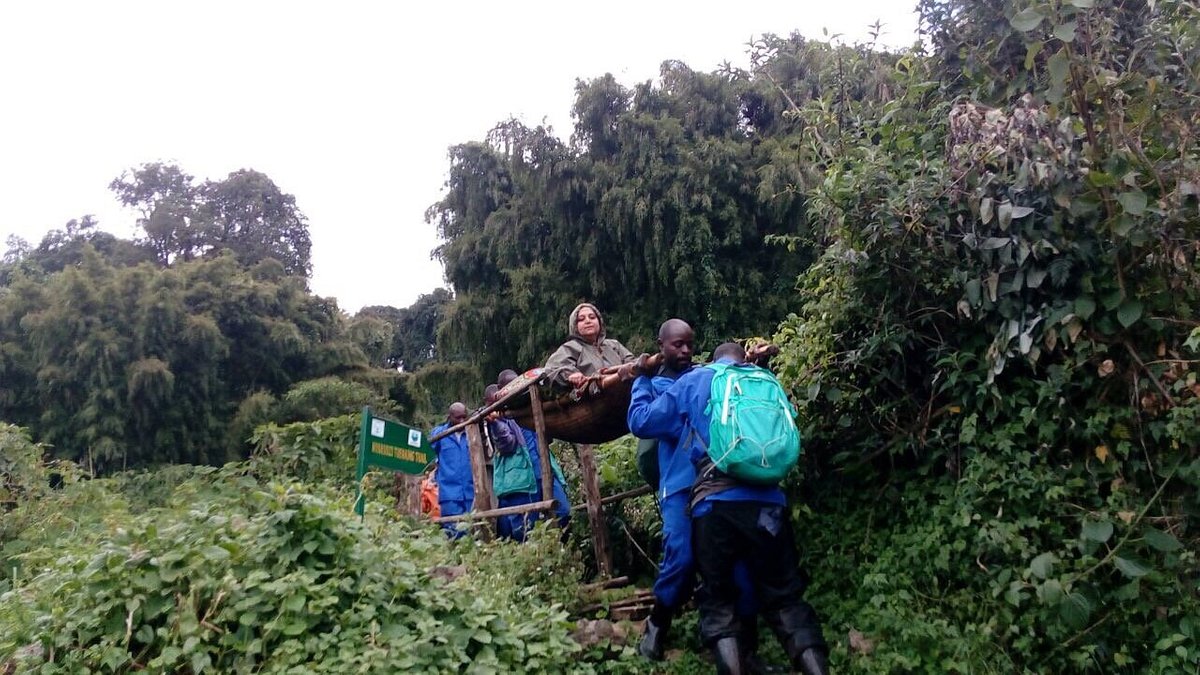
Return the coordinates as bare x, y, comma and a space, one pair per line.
389, 445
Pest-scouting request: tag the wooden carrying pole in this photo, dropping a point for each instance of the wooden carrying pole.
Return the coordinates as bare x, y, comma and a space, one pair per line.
483, 412
496, 513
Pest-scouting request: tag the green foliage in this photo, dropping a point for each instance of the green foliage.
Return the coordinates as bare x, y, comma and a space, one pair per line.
992, 348
268, 578
43, 503
253, 411
120, 367
62, 248
540, 570
23, 481
245, 214
444, 383
414, 329
373, 336
1018, 565
22, 475
658, 208
324, 449
327, 397
244, 569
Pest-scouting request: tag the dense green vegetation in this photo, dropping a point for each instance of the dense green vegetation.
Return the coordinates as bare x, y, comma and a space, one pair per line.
172, 347
248, 569
998, 345
979, 258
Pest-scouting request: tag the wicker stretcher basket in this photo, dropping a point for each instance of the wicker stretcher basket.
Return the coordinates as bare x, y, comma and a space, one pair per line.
596, 415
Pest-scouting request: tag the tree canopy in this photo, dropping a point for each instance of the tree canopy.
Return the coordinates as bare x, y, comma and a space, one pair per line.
661, 205
245, 213
411, 331
122, 366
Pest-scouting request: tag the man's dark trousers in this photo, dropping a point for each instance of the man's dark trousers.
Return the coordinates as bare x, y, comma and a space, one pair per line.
760, 536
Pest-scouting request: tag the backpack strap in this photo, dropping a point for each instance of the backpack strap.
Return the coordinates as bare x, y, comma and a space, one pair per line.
725, 398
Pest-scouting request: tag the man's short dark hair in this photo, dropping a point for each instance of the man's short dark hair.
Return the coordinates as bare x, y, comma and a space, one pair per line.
730, 350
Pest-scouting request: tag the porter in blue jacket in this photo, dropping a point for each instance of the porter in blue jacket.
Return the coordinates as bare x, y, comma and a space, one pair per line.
519, 478
734, 522
677, 572
456, 486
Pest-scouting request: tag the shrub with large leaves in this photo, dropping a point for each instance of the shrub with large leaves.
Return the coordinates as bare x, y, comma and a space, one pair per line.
267, 578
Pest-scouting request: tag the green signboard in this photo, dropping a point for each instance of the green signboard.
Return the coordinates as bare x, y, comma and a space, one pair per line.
391, 446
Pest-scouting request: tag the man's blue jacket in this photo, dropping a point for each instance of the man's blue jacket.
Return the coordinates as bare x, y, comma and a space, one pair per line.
675, 471
454, 466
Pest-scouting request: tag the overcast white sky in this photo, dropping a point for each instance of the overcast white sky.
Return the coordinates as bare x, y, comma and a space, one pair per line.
349, 106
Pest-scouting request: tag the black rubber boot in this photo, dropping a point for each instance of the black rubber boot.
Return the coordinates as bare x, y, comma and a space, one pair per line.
800, 634
728, 657
655, 635
813, 662
748, 640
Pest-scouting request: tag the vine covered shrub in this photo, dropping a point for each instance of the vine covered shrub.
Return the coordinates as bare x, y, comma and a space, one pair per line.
996, 349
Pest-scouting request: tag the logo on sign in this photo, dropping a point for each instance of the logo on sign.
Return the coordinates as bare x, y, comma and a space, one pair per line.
414, 438
377, 427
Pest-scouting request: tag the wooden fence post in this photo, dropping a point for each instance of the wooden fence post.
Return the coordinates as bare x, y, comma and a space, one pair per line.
595, 511
539, 426
479, 473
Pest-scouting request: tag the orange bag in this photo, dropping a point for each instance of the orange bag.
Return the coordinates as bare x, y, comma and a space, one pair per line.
429, 497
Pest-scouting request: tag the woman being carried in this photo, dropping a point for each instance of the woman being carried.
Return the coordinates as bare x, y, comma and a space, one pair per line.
586, 352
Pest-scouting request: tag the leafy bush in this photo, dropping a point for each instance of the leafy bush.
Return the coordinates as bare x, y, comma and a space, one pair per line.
326, 397
992, 351
22, 474
47, 503
267, 578
324, 449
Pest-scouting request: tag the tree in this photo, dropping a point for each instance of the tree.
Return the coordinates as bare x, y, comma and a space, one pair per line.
248, 214
128, 366
663, 189
62, 248
15, 260
374, 337
18, 248
245, 213
413, 328
166, 200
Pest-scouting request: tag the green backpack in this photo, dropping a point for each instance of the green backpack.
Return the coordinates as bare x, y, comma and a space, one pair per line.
513, 474
647, 461
752, 425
